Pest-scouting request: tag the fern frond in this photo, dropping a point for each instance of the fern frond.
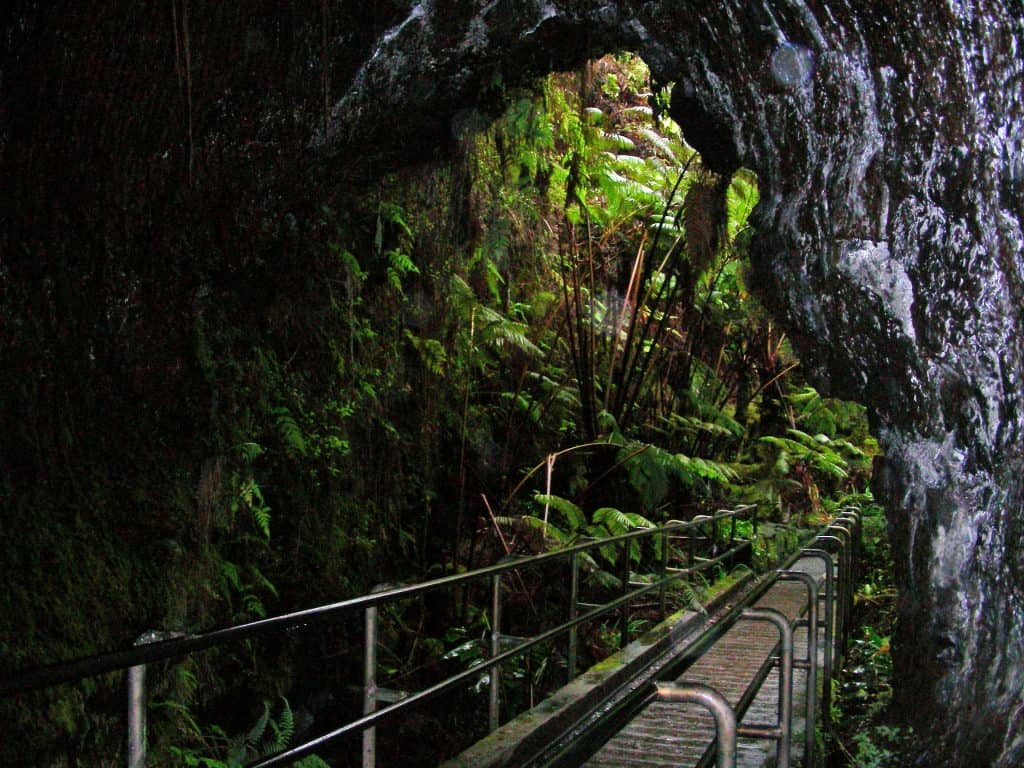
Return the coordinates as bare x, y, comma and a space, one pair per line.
659, 142
255, 734
616, 141
614, 521
573, 514
261, 516
639, 111
637, 520
693, 598
500, 332
549, 530
284, 728
289, 430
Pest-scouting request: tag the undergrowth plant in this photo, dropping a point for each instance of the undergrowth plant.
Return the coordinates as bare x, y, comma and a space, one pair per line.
866, 732
267, 736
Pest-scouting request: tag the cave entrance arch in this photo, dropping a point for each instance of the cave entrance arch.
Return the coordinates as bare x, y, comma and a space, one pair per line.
889, 246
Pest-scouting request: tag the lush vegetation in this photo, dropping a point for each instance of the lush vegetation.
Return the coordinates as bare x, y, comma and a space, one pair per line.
867, 733
550, 335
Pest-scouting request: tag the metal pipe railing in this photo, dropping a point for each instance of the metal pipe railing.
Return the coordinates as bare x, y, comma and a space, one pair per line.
494, 701
160, 646
838, 593
623, 711
846, 534
811, 662
370, 685
574, 598
782, 730
492, 664
715, 703
76, 669
413, 699
828, 620
839, 597
727, 729
137, 717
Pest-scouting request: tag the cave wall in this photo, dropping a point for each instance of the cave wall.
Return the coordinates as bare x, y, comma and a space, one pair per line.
887, 138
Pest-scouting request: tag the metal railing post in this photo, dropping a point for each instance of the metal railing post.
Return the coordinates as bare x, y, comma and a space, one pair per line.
136, 677
829, 618
624, 616
715, 703
811, 662
783, 730
838, 526
574, 598
846, 534
663, 592
137, 717
839, 596
853, 518
370, 684
494, 711
732, 542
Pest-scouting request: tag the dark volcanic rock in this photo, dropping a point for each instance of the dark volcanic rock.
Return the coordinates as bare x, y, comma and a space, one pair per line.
887, 138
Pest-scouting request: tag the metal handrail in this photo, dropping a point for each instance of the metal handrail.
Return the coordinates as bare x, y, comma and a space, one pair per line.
390, 711
716, 704
113, 661
727, 727
372, 720
782, 730
810, 663
827, 619
136, 658
565, 750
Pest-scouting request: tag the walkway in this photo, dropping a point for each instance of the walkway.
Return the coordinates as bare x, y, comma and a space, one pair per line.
668, 735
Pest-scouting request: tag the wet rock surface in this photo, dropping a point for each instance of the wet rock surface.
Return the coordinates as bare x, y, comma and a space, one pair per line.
887, 139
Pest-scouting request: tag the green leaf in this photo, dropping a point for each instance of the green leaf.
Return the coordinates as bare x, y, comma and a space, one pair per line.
289, 430
659, 142
613, 520
572, 514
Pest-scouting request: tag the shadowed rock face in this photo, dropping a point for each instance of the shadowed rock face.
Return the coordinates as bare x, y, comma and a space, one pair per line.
887, 139
888, 145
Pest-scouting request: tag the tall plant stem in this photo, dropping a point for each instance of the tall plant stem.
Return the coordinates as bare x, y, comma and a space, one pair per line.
461, 509
555, 455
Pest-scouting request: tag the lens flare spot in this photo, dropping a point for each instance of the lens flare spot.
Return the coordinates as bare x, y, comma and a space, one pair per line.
792, 65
